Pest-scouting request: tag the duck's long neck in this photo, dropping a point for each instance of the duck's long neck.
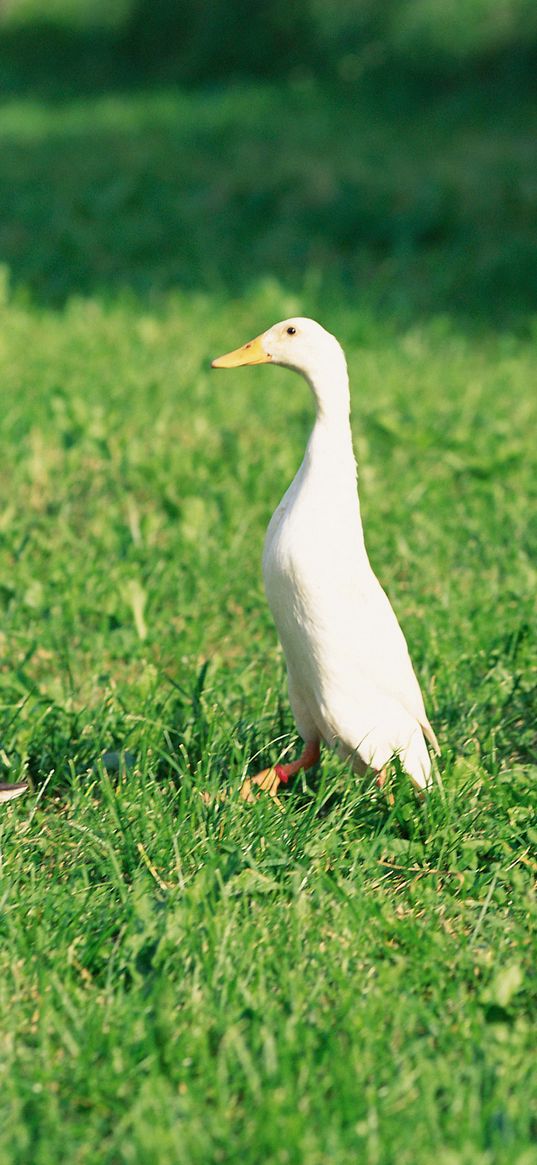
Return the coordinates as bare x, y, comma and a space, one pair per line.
329, 465
331, 437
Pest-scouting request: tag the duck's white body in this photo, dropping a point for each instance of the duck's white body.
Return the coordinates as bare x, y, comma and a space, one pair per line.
351, 681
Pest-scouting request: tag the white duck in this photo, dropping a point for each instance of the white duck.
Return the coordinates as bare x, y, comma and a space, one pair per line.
351, 681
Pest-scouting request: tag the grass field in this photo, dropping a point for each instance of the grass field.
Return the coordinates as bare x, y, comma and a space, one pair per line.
346, 981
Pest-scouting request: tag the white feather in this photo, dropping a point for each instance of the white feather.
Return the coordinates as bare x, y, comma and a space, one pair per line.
351, 680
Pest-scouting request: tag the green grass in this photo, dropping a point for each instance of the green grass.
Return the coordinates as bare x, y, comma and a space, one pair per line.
404, 206
346, 981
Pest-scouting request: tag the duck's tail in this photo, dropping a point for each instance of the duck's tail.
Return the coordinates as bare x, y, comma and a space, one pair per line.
430, 736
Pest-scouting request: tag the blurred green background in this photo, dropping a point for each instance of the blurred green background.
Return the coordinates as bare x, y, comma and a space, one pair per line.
386, 148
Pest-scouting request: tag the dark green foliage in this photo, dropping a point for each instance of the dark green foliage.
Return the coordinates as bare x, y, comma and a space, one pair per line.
199, 41
344, 40
407, 209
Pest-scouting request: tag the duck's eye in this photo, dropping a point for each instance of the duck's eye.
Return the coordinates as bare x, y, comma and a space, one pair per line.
291, 331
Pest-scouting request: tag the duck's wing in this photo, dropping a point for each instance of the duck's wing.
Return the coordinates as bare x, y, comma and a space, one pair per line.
387, 659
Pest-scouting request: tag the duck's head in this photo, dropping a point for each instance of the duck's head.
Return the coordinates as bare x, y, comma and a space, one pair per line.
296, 343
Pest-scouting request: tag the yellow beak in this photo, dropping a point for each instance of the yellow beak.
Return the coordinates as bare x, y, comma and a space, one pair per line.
251, 353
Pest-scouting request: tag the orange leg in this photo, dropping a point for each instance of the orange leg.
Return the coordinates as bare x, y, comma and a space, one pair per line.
381, 781
269, 780
381, 778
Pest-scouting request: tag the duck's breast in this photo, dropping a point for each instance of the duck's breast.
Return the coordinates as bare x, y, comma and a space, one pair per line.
317, 577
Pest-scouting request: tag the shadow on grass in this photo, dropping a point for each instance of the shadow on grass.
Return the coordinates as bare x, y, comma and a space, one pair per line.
420, 203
